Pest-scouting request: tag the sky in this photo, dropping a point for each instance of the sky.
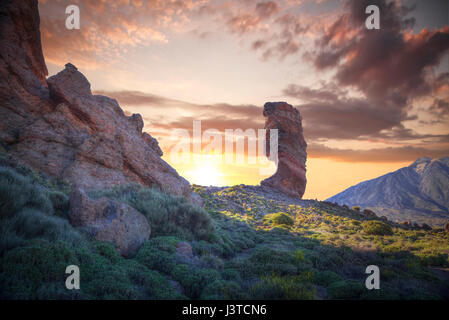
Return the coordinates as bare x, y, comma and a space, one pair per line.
372, 101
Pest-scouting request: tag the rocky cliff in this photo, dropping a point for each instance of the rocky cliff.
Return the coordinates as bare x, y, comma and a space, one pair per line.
59, 127
290, 177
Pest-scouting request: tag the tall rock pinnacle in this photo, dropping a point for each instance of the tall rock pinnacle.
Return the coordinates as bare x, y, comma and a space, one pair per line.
290, 177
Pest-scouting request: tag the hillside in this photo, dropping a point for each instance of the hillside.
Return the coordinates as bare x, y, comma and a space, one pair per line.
419, 192
247, 243
81, 184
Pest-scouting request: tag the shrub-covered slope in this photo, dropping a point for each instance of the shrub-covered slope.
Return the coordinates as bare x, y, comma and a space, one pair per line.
247, 243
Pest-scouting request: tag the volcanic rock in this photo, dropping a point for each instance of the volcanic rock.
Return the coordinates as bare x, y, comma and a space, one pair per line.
57, 126
290, 177
109, 221
184, 249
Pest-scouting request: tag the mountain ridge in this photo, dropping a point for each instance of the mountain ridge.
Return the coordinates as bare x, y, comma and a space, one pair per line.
418, 192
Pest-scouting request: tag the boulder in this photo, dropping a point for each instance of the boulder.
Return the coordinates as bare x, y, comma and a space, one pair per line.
109, 221
184, 249
57, 126
290, 177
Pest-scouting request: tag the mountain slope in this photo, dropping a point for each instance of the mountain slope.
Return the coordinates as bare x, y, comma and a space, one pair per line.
419, 192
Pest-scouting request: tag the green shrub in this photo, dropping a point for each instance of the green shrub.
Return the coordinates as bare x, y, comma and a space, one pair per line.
193, 280
158, 254
116, 279
155, 285
434, 259
350, 289
285, 288
18, 191
222, 290
378, 228
265, 261
325, 278
299, 256
60, 202
106, 250
167, 214
279, 219
29, 267
32, 224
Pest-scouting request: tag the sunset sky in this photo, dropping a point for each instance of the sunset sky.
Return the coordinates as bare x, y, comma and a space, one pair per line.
372, 101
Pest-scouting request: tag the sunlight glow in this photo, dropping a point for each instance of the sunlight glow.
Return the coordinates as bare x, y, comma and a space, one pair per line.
205, 174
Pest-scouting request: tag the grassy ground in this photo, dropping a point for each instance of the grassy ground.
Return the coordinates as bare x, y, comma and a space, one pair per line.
247, 243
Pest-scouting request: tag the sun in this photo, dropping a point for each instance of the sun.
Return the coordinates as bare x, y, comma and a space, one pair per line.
205, 175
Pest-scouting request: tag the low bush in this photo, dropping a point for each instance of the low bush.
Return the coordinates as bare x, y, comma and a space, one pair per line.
167, 214
377, 228
265, 261
286, 288
325, 278
194, 280
350, 289
223, 290
158, 254
279, 219
32, 224
60, 202
32, 266
18, 192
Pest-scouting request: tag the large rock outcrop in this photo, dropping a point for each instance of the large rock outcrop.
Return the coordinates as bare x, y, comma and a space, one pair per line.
59, 127
290, 177
109, 221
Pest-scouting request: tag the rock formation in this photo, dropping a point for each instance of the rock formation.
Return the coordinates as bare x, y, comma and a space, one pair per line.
59, 127
290, 177
110, 221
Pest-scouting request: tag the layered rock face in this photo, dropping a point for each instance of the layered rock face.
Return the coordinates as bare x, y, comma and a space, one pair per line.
59, 127
290, 177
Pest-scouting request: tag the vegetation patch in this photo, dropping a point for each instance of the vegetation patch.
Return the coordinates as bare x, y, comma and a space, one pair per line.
279, 219
377, 228
167, 214
244, 246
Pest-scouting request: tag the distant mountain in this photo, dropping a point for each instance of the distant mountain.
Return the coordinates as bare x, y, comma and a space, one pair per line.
419, 192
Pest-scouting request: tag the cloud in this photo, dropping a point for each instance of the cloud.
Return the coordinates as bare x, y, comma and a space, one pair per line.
276, 29
249, 19
266, 9
108, 29
377, 76
440, 107
391, 61
141, 99
391, 154
329, 112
